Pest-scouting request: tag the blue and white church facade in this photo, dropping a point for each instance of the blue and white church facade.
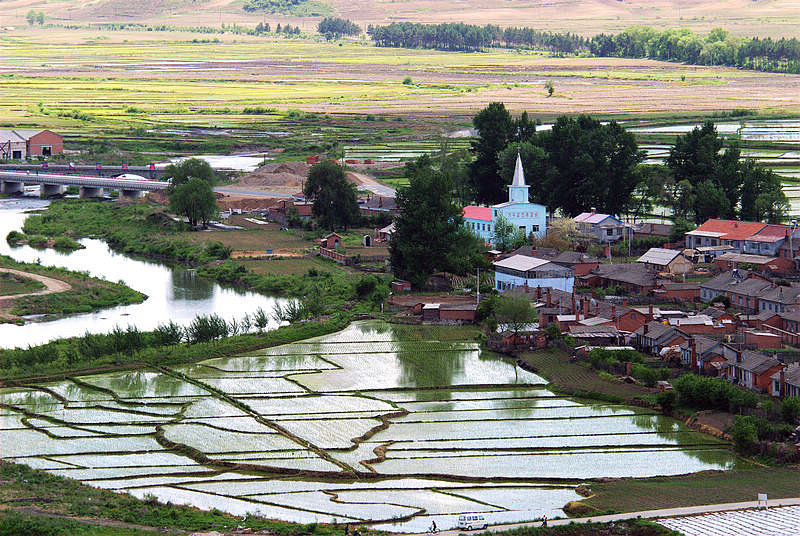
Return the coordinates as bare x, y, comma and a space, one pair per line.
518, 211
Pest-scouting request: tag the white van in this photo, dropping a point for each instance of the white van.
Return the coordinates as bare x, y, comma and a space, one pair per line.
471, 522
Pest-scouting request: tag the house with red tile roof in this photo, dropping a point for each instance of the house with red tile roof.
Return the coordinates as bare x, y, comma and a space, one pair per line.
749, 237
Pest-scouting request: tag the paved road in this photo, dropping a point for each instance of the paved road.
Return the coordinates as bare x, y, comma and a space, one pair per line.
646, 514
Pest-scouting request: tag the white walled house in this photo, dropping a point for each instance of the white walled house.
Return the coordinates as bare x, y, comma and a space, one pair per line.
520, 271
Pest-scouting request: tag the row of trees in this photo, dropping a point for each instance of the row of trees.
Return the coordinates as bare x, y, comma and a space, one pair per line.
334, 27
717, 48
288, 29
581, 163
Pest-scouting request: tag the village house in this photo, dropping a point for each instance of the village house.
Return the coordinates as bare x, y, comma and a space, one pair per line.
20, 144
653, 337
666, 260
731, 260
522, 271
667, 291
704, 324
780, 299
530, 218
762, 340
786, 382
706, 356
603, 228
746, 237
635, 278
644, 230
378, 205
753, 370
743, 291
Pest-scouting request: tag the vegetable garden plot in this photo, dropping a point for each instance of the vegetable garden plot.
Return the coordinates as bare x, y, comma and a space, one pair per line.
322, 502
34, 443
213, 441
573, 412
273, 363
432, 501
236, 386
105, 473
232, 424
575, 441
88, 416
125, 460
451, 395
571, 465
231, 478
304, 464
412, 370
618, 424
488, 404
330, 433
238, 507
142, 384
317, 405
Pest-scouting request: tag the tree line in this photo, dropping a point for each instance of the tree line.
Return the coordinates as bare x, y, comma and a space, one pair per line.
333, 27
717, 48
582, 163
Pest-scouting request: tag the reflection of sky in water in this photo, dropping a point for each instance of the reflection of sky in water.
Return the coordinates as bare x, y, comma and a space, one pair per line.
485, 428
174, 293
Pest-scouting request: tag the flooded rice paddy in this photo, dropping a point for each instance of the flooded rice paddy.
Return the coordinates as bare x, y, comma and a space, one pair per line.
377, 424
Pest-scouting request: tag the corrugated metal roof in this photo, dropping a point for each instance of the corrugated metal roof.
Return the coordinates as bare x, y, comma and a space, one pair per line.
472, 212
521, 263
591, 217
659, 256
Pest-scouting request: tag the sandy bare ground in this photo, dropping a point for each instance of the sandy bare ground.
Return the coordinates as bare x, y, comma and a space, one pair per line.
53, 285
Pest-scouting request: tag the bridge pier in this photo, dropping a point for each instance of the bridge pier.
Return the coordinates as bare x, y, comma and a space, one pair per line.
89, 191
48, 190
7, 187
130, 194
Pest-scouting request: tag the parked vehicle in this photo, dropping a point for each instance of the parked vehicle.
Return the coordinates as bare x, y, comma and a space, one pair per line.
472, 522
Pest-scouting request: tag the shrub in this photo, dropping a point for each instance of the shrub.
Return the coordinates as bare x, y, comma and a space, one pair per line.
14, 238
713, 393
744, 433
790, 409
407, 81
666, 400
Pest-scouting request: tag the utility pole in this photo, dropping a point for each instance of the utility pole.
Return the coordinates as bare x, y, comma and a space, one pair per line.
478, 286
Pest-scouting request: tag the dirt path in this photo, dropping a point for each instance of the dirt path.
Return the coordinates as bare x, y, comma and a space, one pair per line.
32, 510
369, 182
53, 285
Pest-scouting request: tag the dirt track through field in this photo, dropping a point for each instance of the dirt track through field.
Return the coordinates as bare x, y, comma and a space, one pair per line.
53, 285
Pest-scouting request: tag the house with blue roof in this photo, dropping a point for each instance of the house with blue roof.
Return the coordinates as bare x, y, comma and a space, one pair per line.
530, 218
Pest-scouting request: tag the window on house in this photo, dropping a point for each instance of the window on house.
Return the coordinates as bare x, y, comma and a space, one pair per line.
534, 228
47, 150
609, 232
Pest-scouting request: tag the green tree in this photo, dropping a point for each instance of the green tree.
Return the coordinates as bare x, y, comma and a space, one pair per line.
504, 236
549, 87
430, 234
679, 228
40, 17
790, 409
495, 130
195, 200
762, 197
184, 170
335, 202
515, 312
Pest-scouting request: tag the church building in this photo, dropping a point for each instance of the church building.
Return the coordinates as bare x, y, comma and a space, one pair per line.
518, 211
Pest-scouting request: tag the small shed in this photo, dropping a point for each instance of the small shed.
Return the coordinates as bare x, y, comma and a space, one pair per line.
401, 286
666, 260
430, 312
332, 241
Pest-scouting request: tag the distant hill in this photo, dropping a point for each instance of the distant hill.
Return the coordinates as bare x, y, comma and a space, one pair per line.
778, 18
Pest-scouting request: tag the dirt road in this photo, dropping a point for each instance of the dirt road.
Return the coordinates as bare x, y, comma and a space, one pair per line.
53, 285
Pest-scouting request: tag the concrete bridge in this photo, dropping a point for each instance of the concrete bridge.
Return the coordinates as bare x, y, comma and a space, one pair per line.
88, 169
12, 182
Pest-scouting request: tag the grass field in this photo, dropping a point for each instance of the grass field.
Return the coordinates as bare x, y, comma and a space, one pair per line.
554, 365
288, 266
16, 284
253, 239
741, 484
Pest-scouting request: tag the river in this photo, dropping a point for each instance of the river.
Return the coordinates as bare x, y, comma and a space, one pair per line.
174, 292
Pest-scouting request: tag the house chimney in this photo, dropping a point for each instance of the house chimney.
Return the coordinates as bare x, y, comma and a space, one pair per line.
613, 312
586, 308
651, 312
783, 381
738, 356
594, 210
574, 310
693, 346
549, 298
646, 328
527, 288
624, 302
538, 293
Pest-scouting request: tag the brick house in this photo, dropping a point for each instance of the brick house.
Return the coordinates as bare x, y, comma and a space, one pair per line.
672, 261
635, 278
786, 382
20, 144
655, 336
677, 291
753, 370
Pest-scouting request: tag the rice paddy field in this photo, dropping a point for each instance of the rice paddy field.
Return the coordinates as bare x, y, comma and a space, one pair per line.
393, 426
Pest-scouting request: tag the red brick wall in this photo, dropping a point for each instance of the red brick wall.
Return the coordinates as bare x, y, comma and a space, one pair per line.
585, 268
764, 381
762, 340
45, 138
631, 321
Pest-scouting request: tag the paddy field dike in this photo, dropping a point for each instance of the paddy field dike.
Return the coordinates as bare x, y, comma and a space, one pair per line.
382, 424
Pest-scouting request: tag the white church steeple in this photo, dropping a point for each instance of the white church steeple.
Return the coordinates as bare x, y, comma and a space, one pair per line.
518, 191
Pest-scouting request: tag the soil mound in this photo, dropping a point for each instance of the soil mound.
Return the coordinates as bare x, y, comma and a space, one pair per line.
285, 174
